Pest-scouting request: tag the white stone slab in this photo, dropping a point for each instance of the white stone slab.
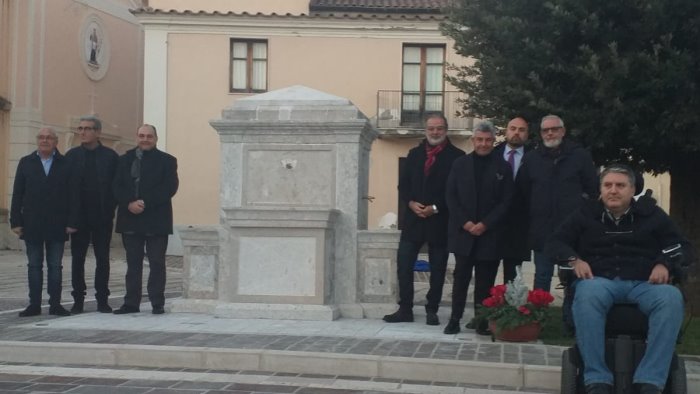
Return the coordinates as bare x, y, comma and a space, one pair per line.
277, 266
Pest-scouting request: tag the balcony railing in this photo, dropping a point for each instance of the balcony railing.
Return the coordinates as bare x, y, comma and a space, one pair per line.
394, 111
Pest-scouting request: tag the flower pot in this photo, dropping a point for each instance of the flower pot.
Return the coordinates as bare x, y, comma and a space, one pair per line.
526, 333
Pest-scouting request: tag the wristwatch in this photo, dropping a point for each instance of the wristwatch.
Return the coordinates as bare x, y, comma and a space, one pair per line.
435, 210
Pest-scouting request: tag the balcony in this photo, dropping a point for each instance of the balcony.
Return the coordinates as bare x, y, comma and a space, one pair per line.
401, 113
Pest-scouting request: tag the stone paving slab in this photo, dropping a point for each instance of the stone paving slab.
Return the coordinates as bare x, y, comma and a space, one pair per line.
23, 378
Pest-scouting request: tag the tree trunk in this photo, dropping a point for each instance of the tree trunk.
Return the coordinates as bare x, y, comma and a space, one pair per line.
685, 211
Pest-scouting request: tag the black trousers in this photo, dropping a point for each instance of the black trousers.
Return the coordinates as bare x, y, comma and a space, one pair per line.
100, 237
137, 246
509, 269
485, 276
405, 261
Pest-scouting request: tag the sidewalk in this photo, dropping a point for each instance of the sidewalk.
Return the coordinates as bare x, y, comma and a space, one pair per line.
342, 352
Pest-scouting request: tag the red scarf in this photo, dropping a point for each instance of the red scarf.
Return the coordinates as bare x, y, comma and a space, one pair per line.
431, 153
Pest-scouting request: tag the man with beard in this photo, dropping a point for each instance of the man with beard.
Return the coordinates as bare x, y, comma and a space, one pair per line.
555, 178
422, 188
479, 193
514, 245
144, 186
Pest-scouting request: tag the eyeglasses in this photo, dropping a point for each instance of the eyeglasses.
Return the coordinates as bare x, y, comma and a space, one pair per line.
551, 129
86, 128
45, 137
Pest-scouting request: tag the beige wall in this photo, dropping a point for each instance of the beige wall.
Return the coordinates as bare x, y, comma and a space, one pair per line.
251, 6
5, 17
69, 94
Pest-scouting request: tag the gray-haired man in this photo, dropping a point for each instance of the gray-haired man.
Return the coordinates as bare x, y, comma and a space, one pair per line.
95, 164
479, 193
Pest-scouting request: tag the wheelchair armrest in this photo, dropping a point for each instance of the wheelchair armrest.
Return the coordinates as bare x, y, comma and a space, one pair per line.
566, 275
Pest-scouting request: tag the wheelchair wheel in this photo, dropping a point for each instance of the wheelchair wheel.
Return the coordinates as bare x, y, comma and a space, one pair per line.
569, 372
677, 380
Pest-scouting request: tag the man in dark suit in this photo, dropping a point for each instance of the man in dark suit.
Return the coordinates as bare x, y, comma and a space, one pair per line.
556, 178
43, 212
514, 246
95, 165
422, 188
144, 185
479, 192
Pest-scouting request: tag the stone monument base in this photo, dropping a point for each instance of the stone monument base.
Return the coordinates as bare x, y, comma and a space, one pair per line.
257, 310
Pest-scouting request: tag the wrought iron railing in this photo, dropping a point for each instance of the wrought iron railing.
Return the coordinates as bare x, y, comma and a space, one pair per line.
397, 109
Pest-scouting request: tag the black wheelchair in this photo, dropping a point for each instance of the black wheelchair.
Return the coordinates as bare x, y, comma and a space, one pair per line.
625, 343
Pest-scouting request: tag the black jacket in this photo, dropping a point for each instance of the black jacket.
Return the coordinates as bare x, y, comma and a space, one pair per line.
44, 205
106, 160
629, 249
428, 190
515, 240
554, 185
157, 186
489, 207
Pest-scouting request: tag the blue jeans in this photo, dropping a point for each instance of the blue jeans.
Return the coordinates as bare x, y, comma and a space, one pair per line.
663, 304
35, 270
544, 270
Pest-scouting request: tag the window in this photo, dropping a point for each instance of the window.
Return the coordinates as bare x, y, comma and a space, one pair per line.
248, 65
422, 87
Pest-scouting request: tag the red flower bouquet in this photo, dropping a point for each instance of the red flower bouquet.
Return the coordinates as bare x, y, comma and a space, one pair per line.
513, 305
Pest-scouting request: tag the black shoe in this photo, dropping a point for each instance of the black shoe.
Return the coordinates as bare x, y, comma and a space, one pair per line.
471, 325
483, 328
483, 331
58, 310
158, 310
647, 388
77, 307
452, 327
124, 309
103, 307
399, 317
31, 310
431, 319
599, 388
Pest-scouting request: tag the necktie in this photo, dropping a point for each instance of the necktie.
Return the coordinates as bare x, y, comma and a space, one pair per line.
511, 160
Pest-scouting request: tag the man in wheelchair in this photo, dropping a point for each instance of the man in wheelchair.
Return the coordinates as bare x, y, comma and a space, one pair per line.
615, 246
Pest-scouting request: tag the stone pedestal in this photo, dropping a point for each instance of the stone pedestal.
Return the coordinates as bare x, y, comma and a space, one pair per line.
294, 174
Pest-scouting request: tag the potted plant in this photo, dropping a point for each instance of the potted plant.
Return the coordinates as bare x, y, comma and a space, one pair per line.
514, 312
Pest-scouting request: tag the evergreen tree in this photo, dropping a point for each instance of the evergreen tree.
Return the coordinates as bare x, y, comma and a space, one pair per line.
624, 75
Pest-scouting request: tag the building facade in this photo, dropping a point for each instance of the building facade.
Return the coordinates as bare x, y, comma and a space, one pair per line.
200, 56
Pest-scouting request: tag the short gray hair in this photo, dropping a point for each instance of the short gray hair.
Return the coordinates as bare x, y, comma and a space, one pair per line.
620, 169
94, 119
486, 127
50, 130
548, 117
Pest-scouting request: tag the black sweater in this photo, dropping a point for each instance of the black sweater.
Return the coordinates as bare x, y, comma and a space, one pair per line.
629, 249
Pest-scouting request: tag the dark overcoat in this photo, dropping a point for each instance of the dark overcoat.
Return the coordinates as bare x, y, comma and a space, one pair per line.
106, 160
490, 206
44, 205
158, 184
555, 185
427, 190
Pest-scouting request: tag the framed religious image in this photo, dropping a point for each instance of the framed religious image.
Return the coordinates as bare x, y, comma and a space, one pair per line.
94, 48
